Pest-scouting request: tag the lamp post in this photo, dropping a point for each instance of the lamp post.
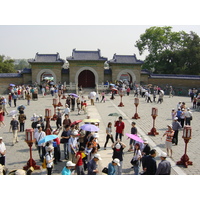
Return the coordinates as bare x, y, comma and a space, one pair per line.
55, 104
154, 114
121, 94
47, 118
30, 140
136, 102
59, 95
187, 133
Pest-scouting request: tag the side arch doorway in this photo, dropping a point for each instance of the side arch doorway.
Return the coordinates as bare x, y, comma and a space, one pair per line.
44, 75
86, 79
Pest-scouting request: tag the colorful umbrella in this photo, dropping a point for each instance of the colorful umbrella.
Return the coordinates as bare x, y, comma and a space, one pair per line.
76, 122
89, 127
134, 137
72, 94
47, 138
91, 120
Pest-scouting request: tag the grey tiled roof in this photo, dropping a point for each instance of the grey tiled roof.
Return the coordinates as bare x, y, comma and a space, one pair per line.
125, 59
86, 55
46, 58
10, 75
26, 71
174, 76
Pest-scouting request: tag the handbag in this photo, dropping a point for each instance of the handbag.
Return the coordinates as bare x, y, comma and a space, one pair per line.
105, 170
134, 162
62, 141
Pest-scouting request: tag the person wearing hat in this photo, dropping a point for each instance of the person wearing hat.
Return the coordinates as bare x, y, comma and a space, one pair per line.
67, 169
188, 117
164, 167
49, 158
2, 151
145, 152
118, 148
14, 125
176, 126
112, 166
169, 136
92, 165
39, 134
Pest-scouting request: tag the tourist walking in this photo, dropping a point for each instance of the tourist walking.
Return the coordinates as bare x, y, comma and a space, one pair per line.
92, 165
2, 114
133, 132
39, 134
188, 117
14, 125
176, 126
14, 97
2, 151
21, 119
108, 134
136, 159
64, 140
49, 159
120, 126
164, 167
79, 161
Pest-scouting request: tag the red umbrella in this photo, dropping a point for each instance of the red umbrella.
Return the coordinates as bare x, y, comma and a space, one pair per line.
114, 89
134, 137
76, 122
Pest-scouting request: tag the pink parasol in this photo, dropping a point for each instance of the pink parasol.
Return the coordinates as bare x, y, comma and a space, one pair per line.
134, 137
76, 122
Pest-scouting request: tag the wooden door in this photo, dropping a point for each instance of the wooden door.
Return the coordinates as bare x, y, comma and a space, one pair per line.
86, 78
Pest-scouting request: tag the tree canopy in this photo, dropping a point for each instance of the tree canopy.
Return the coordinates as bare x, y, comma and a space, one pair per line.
170, 52
6, 65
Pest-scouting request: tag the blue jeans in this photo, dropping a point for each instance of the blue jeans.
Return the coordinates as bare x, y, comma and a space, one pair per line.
118, 169
66, 153
136, 169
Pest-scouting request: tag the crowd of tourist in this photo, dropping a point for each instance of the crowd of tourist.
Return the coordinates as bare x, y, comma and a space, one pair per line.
81, 148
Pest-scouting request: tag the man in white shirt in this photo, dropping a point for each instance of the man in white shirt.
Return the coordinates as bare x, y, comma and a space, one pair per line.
39, 134
67, 109
188, 117
2, 151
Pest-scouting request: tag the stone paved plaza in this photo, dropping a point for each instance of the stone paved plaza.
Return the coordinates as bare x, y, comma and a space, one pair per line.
18, 155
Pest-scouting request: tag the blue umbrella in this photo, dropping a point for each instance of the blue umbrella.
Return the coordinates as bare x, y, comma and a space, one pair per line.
47, 138
12, 85
89, 127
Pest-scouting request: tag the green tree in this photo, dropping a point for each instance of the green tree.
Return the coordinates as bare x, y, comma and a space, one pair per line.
22, 64
6, 65
165, 49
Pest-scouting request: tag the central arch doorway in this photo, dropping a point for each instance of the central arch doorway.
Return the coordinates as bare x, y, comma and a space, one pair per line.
86, 79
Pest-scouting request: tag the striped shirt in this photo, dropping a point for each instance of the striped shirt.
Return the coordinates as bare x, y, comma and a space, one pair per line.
169, 135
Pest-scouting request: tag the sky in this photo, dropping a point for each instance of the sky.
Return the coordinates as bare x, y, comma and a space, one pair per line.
24, 41
112, 26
